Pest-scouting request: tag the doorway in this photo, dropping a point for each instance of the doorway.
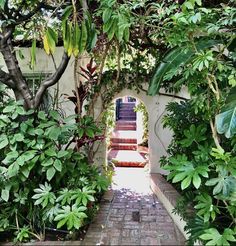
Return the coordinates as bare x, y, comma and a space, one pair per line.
128, 145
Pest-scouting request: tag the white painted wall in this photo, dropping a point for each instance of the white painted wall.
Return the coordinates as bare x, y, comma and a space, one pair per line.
159, 138
139, 122
44, 63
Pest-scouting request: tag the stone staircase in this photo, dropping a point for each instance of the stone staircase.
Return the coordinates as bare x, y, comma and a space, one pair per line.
126, 112
123, 152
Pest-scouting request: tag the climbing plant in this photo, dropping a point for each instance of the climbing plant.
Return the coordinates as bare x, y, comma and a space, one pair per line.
142, 109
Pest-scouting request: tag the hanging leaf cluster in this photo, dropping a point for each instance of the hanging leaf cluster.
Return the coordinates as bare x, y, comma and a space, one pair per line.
116, 21
78, 38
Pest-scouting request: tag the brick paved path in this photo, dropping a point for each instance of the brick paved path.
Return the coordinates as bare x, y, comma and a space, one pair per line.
132, 215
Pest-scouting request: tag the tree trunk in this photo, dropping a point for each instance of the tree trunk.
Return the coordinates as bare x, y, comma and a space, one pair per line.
21, 89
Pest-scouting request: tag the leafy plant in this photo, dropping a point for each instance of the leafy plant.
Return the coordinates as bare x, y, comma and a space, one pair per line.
83, 196
44, 195
213, 237
205, 208
41, 177
176, 58
71, 216
186, 172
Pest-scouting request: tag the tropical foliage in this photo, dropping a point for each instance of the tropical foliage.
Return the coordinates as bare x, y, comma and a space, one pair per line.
44, 182
184, 43
202, 152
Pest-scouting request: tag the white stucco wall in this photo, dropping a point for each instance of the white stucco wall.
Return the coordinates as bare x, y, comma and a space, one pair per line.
139, 122
44, 63
159, 138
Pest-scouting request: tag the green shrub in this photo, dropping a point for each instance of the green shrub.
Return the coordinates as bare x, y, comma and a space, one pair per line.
204, 175
43, 181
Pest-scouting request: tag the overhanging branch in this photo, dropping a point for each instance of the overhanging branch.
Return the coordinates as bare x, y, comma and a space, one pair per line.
52, 80
174, 96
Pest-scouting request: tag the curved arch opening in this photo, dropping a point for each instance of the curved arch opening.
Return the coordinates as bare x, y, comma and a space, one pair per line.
127, 134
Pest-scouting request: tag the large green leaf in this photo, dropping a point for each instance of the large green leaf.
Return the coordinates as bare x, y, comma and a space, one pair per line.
174, 59
3, 141
226, 120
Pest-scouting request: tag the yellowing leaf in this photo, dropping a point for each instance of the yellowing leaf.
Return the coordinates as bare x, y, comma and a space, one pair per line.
46, 45
33, 53
51, 41
70, 39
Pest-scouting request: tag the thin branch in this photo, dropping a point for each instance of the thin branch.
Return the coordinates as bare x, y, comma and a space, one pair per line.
56, 93
103, 63
212, 125
99, 77
52, 80
172, 95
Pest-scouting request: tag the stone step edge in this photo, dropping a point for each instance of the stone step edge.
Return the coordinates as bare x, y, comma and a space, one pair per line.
168, 196
128, 163
123, 140
125, 147
124, 144
123, 123
126, 128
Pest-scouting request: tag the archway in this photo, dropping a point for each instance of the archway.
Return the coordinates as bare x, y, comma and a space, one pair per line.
127, 144
159, 137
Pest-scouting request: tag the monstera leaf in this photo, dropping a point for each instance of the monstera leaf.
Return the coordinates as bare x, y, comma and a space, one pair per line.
226, 120
174, 59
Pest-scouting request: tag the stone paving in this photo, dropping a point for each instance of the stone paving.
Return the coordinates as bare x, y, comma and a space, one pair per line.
131, 214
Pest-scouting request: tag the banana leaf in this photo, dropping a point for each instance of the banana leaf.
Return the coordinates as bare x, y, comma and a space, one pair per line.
174, 59
226, 120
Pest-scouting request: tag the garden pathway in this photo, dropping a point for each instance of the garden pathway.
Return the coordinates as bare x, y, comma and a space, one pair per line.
130, 214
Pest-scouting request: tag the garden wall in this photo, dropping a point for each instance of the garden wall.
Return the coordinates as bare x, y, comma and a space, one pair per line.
159, 138
44, 63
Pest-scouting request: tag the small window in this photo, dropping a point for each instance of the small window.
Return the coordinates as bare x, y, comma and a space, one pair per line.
34, 80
